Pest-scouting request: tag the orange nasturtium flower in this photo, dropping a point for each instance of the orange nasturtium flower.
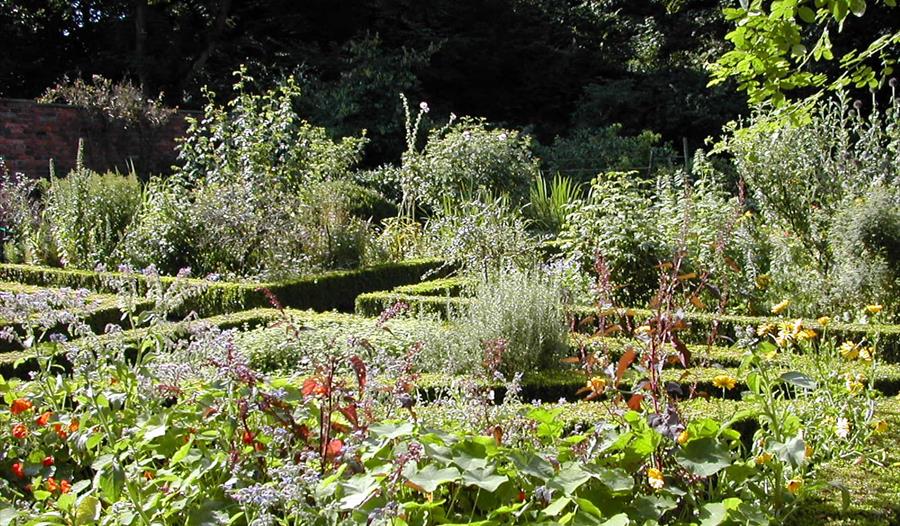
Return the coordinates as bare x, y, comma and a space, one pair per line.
42, 420
18, 470
20, 431
794, 485
52, 485
65, 486
20, 405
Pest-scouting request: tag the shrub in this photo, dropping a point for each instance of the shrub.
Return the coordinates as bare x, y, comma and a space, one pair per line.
362, 202
801, 173
158, 233
118, 111
480, 236
467, 158
18, 214
866, 236
635, 225
259, 139
518, 314
619, 222
86, 215
587, 152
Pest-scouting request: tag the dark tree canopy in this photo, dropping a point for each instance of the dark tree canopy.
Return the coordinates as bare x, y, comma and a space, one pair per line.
544, 65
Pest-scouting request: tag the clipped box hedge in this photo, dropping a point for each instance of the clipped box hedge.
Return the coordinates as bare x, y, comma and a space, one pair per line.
372, 304
700, 324
436, 287
326, 291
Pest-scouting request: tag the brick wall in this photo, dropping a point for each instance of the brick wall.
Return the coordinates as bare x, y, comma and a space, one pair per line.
31, 134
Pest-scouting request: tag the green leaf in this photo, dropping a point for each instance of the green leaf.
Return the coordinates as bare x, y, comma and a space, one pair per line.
182, 452
357, 490
533, 465
390, 431
807, 14
569, 478
715, 513
430, 478
616, 479
88, 511
858, 7
704, 457
800, 380
484, 478
155, 432
557, 506
617, 520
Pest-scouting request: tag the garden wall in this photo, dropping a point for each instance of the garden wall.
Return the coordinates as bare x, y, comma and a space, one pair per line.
31, 134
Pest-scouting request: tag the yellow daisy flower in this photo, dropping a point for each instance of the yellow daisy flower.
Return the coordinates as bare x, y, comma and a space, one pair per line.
724, 381
781, 307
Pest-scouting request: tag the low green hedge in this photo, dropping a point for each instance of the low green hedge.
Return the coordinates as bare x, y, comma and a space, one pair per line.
729, 327
436, 287
374, 303
326, 291
700, 324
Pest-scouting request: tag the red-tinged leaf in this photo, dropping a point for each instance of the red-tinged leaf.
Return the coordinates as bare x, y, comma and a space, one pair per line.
587, 320
334, 449
625, 362
697, 302
732, 264
350, 413
359, 367
387, 329
701, 394
571, 359
634, 403
339, 427
583, 390
592, 396
687, 276
684, 354
312, 386
612, 330
498, 435
303, 432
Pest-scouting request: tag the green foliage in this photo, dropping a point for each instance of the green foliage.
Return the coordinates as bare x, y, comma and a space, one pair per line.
19, 217
86, 214
480, 236
550, 202
517, 314
259, 140
587, 152
618, 222
158, 234
357, 90
802, 176
465, 159
324, 291
866, 237
777, 46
